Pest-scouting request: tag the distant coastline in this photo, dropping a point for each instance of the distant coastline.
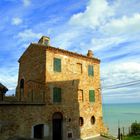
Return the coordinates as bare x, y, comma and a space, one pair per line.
120, 103
120, 115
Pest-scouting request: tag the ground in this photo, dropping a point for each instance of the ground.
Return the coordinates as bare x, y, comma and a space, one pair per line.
99, 138
96, 138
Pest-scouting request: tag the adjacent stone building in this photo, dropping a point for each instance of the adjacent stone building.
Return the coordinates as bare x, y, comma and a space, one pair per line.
3, 90
57, 97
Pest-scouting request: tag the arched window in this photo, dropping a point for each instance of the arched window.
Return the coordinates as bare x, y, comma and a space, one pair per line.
92, 120
81, 121
22, 83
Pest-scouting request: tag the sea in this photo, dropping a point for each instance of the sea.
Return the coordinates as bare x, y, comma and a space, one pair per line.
120, 116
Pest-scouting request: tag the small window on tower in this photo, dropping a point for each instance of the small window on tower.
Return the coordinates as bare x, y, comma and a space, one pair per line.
57, 65
22, 83
91, 95
80, 95
90, 70
56, 95
81, 121
79, 68
92, 120
46, 42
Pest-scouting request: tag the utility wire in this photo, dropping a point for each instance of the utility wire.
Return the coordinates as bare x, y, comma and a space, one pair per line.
121, 85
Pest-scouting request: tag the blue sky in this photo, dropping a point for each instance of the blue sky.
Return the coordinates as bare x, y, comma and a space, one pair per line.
111, 28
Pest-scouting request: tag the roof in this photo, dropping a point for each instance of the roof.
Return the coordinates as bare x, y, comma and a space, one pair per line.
62, 51
3, 89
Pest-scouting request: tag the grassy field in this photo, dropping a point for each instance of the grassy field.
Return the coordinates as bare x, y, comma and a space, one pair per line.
132, 138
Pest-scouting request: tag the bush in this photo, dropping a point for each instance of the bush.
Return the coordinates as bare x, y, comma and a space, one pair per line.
135, 128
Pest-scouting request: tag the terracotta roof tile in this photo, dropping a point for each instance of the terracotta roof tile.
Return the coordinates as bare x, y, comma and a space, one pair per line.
66, 52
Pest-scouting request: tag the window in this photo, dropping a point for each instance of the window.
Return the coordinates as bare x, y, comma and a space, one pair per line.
22, 83
56, 95
21, 89
79, 68
81, 121
92, 120
91, 96
80, 95
70, 134
42, 96
57, 65
32, 95
90, 70
38, 131
46, 42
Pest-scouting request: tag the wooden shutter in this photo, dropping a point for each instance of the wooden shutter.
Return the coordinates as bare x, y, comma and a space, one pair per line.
57, 64
91, 96
90, 70
56, 94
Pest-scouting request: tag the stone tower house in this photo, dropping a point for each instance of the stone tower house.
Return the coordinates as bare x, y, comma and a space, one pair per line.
59, 92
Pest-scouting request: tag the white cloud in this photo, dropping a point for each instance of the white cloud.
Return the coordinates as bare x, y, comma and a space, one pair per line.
16, 21
28, 35
65, 40
95, 14
102, 14
121, 82
120, 73
26, 2
102, 18
100, 43
8, 77
125, 25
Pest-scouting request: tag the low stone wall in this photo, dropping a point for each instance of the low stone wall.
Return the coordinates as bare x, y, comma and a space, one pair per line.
17, 120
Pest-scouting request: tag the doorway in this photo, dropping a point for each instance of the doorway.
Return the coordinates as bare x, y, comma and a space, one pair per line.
57, 120
39, 131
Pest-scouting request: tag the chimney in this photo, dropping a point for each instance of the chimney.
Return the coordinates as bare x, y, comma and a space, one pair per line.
44, 40
90, 53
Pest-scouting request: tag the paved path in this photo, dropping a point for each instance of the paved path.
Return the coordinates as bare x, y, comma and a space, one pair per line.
96, 138
99, 138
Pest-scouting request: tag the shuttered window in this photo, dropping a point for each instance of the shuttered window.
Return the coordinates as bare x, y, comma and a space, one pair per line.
90, 70
56, 94
91, 96
57, 65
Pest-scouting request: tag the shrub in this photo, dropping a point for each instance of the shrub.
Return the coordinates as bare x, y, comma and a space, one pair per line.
135, 128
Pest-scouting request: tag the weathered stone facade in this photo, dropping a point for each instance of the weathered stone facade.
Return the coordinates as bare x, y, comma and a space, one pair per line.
35, 110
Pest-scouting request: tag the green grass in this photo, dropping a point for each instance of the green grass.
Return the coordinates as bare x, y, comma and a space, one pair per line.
131, 138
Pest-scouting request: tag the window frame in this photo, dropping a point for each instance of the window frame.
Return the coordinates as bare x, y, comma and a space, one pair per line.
79, 65
81, 121
22, 83
90, 70
92, 96
57, 95
46, 42
81, 90
57, 65
93, 120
